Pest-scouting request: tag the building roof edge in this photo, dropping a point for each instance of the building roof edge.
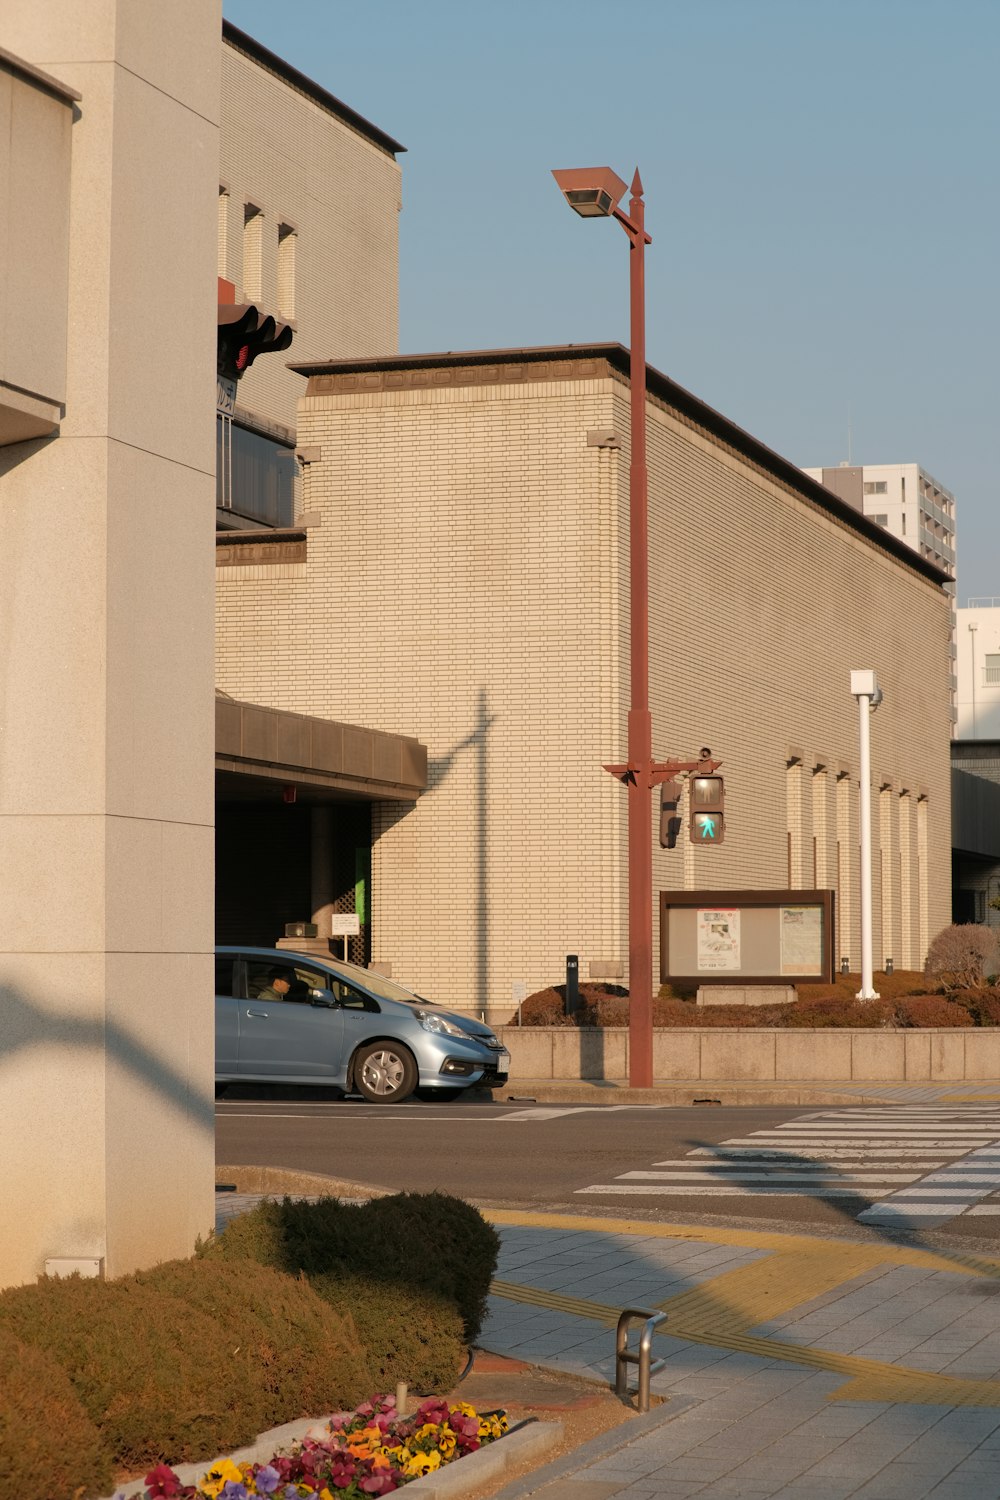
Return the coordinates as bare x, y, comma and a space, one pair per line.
306, 85
672, 394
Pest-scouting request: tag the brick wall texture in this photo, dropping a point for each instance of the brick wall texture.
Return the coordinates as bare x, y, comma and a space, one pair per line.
302, 166
468, 583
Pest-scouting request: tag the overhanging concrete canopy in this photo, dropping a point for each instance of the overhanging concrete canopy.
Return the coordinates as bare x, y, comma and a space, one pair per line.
260, 750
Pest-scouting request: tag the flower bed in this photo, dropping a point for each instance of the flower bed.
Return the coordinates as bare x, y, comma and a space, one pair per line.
369, 1451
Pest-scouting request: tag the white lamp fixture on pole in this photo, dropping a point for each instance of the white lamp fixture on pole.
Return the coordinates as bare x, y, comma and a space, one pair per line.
865, 688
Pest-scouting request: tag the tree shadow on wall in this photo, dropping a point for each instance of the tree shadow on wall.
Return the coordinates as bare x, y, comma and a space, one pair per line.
26, 1026
439, 768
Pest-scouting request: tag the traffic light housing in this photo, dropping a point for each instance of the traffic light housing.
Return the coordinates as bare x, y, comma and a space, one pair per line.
707, 799
243, 334
670, 823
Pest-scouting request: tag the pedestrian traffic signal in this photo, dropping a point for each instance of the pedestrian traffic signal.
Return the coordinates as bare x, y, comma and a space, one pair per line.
670, 823
707, 799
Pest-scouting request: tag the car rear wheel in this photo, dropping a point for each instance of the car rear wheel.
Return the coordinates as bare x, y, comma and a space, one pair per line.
385, 1073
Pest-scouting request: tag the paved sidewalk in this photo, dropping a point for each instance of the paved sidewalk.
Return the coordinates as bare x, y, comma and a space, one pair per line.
798, 1368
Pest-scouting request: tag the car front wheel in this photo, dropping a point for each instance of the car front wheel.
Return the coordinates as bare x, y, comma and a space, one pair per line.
385, 1073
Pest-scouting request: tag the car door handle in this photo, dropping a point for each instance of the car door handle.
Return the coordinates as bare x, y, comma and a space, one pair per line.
263, 1013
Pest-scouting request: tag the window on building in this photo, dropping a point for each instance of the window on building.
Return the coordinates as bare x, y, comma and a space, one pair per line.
902, 522
287, 239
880, 520
876, 487
253, 253
991, 670
223, 248
254, 476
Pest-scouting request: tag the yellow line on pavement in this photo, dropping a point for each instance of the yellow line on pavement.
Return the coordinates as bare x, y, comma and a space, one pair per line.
534, 1296
722, 1311
749, 1239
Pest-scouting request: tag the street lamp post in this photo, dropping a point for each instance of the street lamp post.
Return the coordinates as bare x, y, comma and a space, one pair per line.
594, 192
865, 688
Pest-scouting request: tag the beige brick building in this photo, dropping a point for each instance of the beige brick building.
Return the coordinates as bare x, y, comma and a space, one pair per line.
465, 580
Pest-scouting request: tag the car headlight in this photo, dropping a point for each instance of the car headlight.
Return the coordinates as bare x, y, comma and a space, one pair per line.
430, 1021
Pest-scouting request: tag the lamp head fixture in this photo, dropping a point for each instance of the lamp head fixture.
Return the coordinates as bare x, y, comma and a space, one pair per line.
592, 192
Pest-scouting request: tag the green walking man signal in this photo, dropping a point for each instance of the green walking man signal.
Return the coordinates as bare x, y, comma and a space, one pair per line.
707, 797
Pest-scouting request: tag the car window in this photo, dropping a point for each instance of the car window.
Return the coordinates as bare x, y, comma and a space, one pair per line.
224, 966
303, 982
352, 999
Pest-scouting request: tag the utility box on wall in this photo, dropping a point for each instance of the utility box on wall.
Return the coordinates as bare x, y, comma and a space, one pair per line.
781, 937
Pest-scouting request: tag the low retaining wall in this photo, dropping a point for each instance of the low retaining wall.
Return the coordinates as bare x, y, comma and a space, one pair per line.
759, 1055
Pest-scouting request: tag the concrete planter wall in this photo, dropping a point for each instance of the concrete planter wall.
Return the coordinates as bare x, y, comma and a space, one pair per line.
759, 1055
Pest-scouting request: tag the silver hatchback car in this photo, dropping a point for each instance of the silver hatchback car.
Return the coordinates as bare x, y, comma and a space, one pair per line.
283, 1017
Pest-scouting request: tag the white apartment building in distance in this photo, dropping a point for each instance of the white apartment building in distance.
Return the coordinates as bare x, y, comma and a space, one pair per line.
913, 506
903, 498
978, 661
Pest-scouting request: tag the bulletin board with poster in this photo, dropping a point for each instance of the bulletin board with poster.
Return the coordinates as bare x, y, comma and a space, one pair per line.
763, 937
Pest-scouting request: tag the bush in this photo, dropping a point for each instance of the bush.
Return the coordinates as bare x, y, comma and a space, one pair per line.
422, 1242
961, 956
49, 1447
932, 1010
303, 1352
838, 1011
155, 1375
413, 1336
982, 1004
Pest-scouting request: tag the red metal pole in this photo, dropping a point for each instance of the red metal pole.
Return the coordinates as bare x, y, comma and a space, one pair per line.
640, 731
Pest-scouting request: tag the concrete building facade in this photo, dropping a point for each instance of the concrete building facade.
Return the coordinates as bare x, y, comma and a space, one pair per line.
308, 231
465, 579
106, 810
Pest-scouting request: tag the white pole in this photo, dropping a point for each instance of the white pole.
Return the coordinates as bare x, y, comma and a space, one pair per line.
865, 689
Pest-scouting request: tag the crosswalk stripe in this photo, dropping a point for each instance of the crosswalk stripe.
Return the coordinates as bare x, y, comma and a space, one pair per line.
923, 1164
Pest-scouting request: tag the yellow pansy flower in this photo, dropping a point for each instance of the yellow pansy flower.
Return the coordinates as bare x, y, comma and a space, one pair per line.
218, 1475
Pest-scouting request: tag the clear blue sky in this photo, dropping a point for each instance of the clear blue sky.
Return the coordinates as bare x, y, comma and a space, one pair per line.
821, 182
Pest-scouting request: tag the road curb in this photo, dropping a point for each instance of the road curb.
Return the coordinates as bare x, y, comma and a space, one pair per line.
604, 1445
277, 1181
529, 1439
732, 1092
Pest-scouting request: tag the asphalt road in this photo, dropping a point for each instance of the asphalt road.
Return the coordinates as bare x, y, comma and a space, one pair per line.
898, 1170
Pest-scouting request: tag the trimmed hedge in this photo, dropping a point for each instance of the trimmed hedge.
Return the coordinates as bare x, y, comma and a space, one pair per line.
305, 1355
906, 1000
157, 1377
196, 1357
420, 1242
408, 1335
49, 1447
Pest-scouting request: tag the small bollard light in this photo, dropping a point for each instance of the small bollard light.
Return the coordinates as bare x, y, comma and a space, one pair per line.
845, 967
888, 966
572, 984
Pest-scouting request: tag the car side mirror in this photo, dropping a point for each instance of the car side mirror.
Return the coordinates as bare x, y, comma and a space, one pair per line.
325, 998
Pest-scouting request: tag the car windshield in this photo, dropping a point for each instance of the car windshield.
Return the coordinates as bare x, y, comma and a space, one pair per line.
377, 984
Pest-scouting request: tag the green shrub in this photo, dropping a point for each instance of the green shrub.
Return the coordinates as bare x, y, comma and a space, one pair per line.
158, 1377
49, 1447
423, 1242
304, 1353
408, 1335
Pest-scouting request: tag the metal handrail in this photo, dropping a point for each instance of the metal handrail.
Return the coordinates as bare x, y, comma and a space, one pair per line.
624, 1357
